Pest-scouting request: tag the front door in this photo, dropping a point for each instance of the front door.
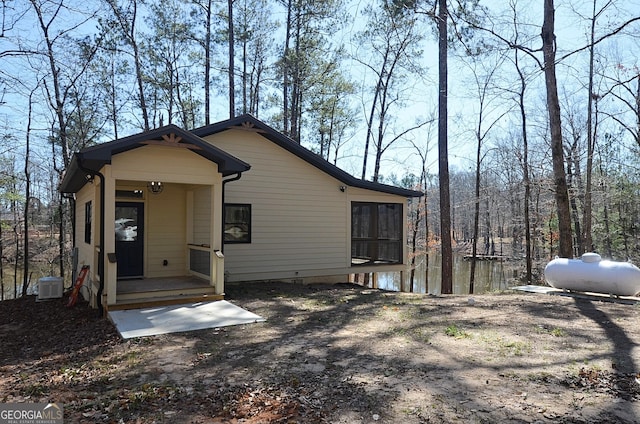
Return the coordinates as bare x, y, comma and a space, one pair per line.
129, 239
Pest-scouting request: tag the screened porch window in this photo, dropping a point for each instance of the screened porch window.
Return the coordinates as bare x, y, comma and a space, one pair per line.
376, 233
237, 223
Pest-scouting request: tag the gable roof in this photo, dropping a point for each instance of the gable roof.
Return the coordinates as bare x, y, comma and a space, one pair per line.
249, 122
95, 157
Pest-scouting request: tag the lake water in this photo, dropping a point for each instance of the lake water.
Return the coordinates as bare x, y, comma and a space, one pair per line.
490, 276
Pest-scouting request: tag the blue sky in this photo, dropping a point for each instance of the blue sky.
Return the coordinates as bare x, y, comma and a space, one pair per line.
572, 32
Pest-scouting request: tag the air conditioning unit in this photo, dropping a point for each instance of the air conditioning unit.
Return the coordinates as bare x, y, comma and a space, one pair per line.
50, 288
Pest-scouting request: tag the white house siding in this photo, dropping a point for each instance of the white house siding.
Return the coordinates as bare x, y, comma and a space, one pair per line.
165, 237
201, 216
87, 251
167, 164
299, 215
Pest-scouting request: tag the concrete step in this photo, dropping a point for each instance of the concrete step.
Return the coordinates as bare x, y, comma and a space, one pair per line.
150, 302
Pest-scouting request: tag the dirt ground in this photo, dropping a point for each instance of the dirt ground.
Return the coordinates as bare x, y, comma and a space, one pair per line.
336, 354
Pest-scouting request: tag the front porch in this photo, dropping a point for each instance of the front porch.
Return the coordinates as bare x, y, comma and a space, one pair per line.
162, 291
150, 207
167, 256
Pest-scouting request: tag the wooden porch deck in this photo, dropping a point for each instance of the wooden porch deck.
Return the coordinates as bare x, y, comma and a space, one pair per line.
151, 292
159, 284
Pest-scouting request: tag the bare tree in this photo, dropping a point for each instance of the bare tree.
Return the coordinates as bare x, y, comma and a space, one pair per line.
60, 82
565, 248
491, 118
389, 48
525, 167
553, 109
232, 66
421, 218
125, 19
205, 6
304, 54
443, 152
167, 51
587, 238
27, 199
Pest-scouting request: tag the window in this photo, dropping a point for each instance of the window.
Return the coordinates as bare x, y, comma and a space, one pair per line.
376, 233
87, 222
237, 223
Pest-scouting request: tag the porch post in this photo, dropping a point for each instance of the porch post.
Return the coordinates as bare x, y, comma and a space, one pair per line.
109, 243
217, 258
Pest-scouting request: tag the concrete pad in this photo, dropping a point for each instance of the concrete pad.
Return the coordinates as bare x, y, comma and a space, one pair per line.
152, 321
629, 300
535, 289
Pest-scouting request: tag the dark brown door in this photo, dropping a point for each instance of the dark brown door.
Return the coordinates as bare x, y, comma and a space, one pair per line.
129, 239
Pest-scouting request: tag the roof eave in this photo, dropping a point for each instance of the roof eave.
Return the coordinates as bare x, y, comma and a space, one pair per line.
293, 147
94, 158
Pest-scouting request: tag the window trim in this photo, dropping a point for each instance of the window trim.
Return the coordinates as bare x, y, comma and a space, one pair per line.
247, 238
375, 240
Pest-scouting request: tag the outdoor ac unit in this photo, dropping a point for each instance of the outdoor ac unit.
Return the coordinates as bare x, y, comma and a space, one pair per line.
49, 288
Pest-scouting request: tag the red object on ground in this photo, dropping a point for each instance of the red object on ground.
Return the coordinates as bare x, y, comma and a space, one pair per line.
76, 287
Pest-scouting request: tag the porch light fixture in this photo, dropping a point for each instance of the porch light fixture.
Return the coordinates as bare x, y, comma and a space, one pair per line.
155, 187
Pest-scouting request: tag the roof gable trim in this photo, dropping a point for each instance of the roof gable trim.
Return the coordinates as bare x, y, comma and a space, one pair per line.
171, 140
248, 126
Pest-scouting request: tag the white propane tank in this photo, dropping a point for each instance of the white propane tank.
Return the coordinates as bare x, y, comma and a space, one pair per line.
591, 274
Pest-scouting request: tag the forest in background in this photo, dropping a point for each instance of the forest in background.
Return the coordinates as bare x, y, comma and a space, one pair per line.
355, 82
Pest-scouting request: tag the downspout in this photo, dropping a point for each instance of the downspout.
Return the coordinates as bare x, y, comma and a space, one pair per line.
224, 183
101, 245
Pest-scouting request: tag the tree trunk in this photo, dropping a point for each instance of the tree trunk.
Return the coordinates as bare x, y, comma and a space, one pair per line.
414, 239
1, 264
140, 81
131, 35
113, 99
232, 91
426, 229
245, 82
443, 152
573, 178
286, 70
638, 111
16, 238
27, 195
61, 226
370, 124
295, 110
525, 172
476, 215
565, 248
207, 66
607, 228
57, 103
381, 122
587, 239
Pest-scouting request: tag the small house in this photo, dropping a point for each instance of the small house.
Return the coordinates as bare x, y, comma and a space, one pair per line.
170, 215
